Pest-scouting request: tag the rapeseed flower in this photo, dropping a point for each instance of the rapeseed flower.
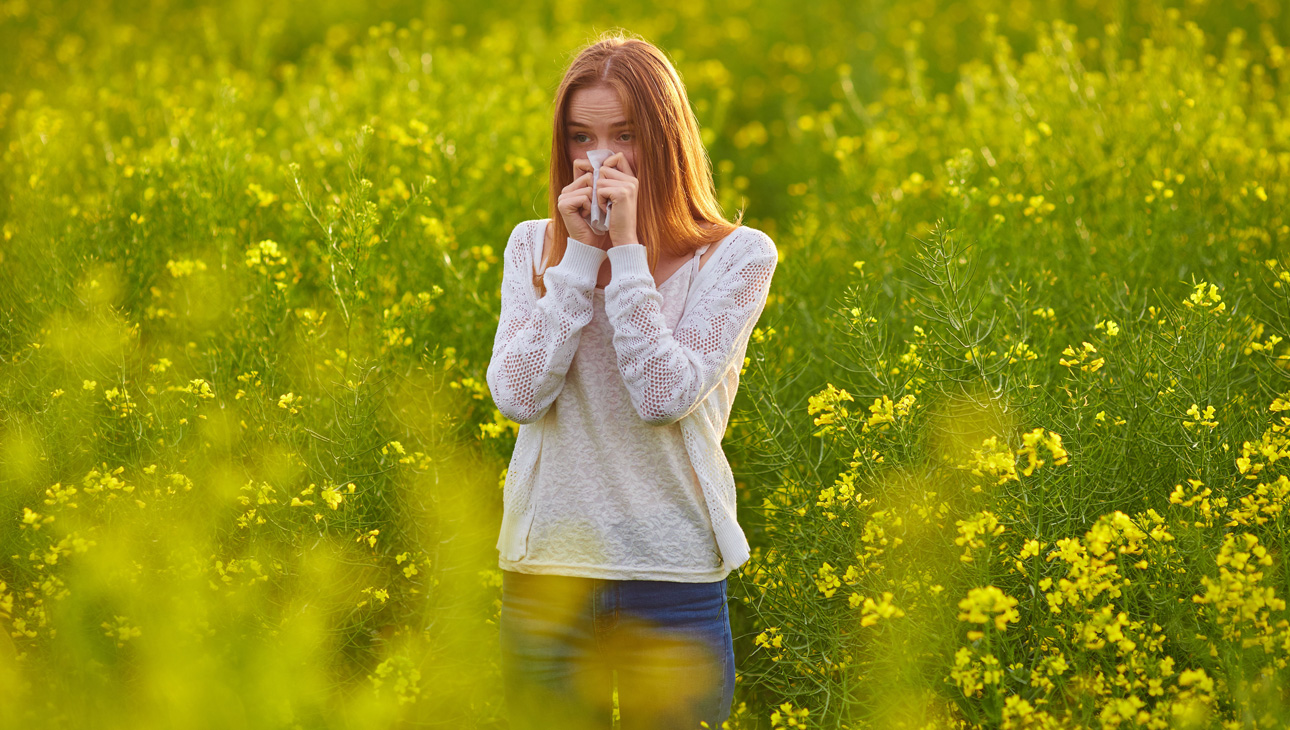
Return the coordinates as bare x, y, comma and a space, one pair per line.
989, 604
828, 403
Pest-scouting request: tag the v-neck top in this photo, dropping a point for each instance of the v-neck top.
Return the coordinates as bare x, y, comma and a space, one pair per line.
616, 497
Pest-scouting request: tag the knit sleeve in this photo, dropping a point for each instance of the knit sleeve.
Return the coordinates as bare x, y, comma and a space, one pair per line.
536, 338
669, 373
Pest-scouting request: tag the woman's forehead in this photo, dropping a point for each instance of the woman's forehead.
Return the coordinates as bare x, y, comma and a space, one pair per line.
597, 100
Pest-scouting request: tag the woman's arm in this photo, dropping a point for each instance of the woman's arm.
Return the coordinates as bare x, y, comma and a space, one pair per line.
536, 338
669, 373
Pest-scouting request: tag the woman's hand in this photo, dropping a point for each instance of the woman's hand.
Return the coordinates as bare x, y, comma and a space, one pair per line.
575, 207
618, 184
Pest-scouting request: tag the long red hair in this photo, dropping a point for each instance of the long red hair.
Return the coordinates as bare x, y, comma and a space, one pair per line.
676, 194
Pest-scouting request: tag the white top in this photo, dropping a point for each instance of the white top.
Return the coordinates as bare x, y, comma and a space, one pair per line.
685, 375
616, 498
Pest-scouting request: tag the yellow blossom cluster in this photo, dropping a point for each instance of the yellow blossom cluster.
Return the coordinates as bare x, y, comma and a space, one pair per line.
1082, 357
789, 716
1205, 418
828, 404
973, 533
1243, 605
832, 415
1030, 443
1092, 568
1019, 351
973, 671
1272, 446
827, 581
993, 459
871, 611
985, 605
883, 411
842, 492
997, 461
1112, 329
264, 254
1266, 502
185, 267
1205, 295
772, 641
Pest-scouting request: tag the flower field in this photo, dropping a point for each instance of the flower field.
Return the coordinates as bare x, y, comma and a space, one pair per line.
1012, 442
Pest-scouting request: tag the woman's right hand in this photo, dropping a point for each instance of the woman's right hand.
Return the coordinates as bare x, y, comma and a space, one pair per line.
575, 207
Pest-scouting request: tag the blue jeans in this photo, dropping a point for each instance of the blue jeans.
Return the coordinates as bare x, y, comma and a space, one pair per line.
564, 637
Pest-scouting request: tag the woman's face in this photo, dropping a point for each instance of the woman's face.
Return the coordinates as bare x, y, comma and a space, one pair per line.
596, 121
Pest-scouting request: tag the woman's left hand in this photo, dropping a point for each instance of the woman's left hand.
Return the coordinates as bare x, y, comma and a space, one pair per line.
618, 184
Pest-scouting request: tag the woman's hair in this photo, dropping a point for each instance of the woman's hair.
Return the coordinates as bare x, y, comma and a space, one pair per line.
676, 192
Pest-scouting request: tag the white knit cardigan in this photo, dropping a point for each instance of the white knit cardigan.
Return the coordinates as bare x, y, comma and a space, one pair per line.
688, 375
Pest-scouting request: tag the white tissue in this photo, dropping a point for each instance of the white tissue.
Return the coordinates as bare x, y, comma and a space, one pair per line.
599, 217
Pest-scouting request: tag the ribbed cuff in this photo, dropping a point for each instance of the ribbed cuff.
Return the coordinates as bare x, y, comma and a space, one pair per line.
732, 543
582, 261
629, 259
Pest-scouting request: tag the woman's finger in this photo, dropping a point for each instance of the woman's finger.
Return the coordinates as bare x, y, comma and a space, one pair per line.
578, 182
577, 199
614, 173
619, 162
607, 190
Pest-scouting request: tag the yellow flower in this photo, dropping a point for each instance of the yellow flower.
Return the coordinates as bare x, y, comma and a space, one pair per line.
333, 496
973, 530
826, 581
1081, 358
981, 602
1112, 329
1020, 351
1030, 447
1203, 297
290, 402
786, 716
185, 267
772, 641
263, 255
994, 459
263, 198
871, 611
1204, 419
1030, 549
827, 403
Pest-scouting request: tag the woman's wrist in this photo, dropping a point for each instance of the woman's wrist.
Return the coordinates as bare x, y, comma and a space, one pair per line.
582, 259
628, 259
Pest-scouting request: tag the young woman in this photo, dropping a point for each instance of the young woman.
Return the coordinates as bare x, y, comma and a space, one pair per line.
619, 354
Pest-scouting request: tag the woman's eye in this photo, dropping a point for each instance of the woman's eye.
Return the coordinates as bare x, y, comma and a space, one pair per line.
576, 136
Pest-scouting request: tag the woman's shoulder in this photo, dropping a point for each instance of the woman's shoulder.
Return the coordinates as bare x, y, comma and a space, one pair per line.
752, 243
539, 233
529, 234
531, 226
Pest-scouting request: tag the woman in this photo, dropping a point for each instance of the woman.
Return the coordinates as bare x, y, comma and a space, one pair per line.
619, 353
